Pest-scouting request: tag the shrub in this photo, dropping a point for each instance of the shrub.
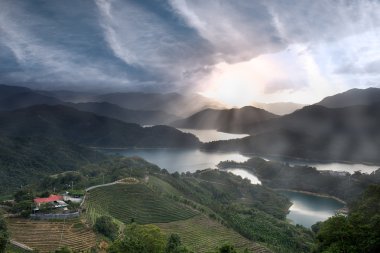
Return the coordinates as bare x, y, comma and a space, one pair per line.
107, 227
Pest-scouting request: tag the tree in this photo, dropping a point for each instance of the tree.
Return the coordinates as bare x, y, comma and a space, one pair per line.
227, 248
107, 227
358, 232
140, 239
64, 250
3, 235
174, 245
23, 195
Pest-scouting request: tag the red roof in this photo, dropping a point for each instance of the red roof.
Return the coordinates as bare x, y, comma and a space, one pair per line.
51, 198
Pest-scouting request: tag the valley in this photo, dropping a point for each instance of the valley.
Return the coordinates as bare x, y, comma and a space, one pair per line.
203, 183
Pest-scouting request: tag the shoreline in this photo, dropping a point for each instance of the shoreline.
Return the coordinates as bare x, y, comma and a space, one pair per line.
313, 194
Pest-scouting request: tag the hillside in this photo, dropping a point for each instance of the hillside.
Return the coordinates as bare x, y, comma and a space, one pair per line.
60, 122
352, 97
231, 120
317, 133
130, 116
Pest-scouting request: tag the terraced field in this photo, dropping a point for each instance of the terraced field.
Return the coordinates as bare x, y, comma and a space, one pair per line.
202, 234
135, 201
47, 236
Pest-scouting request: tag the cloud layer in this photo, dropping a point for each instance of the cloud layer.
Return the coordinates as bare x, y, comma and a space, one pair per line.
309, 49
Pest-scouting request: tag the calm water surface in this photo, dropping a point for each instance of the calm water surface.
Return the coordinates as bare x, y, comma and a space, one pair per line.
308, 209
181, 160
212, 135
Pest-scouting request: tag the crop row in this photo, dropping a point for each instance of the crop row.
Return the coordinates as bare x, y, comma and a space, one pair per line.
46, 236
136, 202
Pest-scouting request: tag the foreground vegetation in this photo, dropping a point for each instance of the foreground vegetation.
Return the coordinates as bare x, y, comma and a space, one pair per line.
206, 211
358, 232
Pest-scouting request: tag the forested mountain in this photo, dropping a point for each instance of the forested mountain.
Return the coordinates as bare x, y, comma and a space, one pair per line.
126, 115
352, 97
229, 120
316, 132
24, 160
89, 129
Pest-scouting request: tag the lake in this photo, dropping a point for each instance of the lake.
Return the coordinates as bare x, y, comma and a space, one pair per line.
308, 209
212, 135
180, 160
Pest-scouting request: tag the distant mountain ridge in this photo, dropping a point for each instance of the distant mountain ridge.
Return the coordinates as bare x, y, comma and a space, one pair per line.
315, 132
14, 97
61, 122
352, 97
126, 115
237, 120
172, 103
279, 108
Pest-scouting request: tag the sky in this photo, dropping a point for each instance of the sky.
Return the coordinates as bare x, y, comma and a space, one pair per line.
237, 52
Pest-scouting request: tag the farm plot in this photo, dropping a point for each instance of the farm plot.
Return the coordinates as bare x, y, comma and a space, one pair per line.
127, 202
47, 236
202, 234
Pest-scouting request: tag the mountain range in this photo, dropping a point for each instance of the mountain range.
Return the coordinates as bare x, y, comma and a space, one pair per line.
343, 127
315, 132
65, 123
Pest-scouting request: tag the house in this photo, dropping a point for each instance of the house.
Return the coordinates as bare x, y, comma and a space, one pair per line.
55, 200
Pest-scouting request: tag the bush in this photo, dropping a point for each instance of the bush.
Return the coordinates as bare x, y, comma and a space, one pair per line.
107, 227
140, 239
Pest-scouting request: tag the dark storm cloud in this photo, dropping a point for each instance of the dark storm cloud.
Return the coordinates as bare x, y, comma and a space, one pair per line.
161, 45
